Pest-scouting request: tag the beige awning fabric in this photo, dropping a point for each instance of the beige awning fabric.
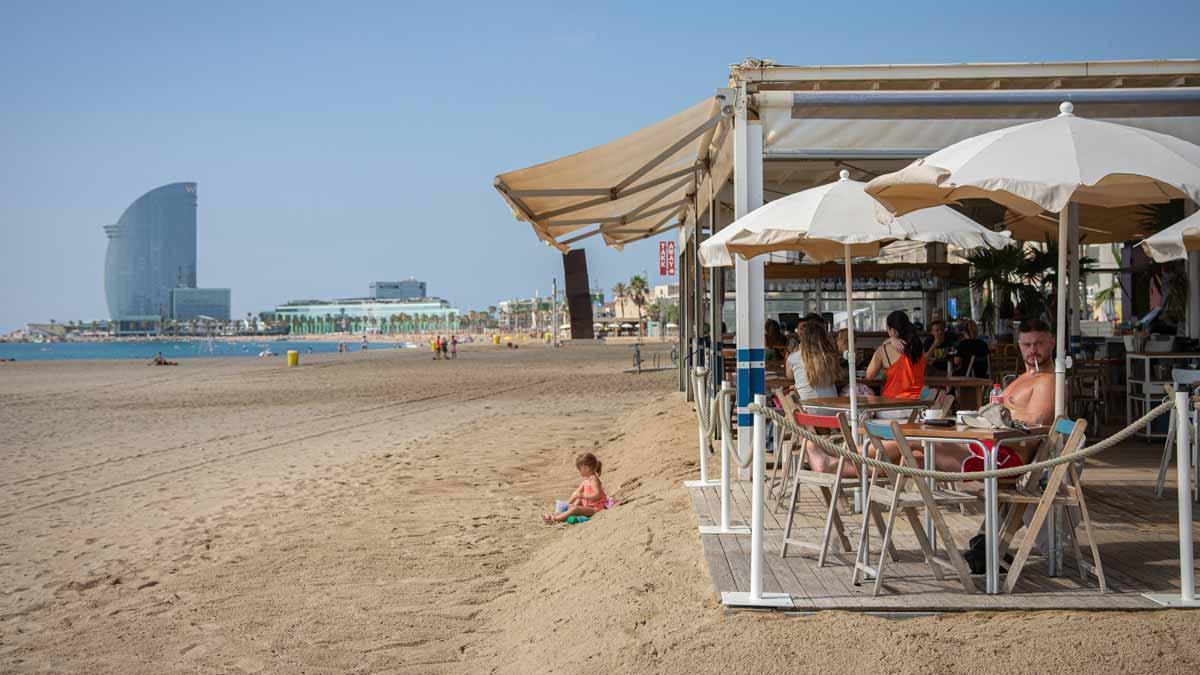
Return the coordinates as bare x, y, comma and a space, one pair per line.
1174, 242
628, 189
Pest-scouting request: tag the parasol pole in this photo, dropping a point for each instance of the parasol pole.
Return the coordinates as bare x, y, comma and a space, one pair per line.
1060, 333
850, 357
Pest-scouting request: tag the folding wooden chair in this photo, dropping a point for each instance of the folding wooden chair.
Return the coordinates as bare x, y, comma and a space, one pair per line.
1062, 490
785, 446
831, 486
901, 497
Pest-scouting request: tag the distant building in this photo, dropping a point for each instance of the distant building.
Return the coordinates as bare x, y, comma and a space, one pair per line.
428, 312
409, 289
195, 303
151, 254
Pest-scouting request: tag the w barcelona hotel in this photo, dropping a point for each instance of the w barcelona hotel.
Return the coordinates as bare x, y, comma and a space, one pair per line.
150, 267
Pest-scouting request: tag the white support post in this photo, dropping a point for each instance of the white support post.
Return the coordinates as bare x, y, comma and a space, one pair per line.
1075, 282
1070, 212
702, 399
750, 308
1183, 476
725, 527
756, 597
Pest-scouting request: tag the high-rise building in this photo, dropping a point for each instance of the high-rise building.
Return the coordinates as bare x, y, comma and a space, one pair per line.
151, 250
200, 303
151, 253
409, 289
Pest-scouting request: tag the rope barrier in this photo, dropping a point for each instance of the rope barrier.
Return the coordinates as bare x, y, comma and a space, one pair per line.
727, 425
948, 476
714, 409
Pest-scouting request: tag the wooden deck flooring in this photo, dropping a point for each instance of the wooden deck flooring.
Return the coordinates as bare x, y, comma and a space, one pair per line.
1136, 534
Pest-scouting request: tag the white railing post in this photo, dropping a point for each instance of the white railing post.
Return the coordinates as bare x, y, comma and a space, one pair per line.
1183, 475
725, 527
756, 597
701, 399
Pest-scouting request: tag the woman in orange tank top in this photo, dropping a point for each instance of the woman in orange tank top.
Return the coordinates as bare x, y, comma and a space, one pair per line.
901, 358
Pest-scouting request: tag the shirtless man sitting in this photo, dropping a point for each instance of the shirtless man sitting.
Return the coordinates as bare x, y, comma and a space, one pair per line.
1030, 399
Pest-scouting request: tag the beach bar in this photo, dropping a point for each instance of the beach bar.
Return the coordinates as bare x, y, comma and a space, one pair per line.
776, 130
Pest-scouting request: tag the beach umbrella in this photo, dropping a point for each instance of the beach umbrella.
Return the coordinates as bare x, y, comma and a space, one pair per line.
1174, 242
1048, 165
839, 221
627, 325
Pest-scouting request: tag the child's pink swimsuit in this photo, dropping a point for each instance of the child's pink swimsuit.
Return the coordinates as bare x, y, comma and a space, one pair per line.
597, 503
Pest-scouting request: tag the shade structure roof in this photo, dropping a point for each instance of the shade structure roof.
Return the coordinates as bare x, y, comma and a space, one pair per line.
1174, 242
823, 221
631, 188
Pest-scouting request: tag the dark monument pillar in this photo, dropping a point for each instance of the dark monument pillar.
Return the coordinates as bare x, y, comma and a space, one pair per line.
579, 295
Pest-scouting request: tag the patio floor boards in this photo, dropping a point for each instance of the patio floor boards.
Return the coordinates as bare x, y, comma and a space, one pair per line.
1136, 534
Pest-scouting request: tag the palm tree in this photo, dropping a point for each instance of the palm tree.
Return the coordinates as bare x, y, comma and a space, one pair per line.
620, 290
638, 288
993, 271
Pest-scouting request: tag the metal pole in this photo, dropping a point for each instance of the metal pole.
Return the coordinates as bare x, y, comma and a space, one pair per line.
701, 400
747, 172
1183, 478
724, 527
756, 506
756, 597
1076, 283
554, 310
715, 288
1183, 482
1060, 350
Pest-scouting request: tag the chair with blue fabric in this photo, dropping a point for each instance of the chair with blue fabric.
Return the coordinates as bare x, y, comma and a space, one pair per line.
1061, 489
909, 496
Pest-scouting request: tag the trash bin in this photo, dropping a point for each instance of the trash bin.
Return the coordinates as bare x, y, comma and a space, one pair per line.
293, 357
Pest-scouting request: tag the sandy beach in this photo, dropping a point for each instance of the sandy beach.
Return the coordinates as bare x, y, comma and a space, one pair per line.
378, 512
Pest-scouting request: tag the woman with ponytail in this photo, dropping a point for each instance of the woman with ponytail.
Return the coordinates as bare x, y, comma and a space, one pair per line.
901, 358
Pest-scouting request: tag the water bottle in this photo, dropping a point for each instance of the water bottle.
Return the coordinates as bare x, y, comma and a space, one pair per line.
997, 397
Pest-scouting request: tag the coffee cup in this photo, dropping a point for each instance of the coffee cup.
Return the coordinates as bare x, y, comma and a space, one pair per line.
932, 414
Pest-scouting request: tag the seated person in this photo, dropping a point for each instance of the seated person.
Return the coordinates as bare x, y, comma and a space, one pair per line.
901, 358
774, 340
812, 363
158, 360
1030, 398
936, 344
843, 346
971, 346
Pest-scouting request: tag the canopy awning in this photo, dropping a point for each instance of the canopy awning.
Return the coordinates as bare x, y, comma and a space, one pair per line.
628, 189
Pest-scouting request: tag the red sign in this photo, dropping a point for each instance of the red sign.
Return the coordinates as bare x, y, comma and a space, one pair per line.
666, 258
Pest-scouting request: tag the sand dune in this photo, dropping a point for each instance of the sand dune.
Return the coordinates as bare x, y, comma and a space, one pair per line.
378, 513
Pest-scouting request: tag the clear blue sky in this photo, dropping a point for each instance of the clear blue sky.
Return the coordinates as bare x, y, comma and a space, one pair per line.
340, 144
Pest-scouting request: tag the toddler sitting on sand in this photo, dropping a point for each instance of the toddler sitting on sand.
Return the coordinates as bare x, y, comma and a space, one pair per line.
589, 498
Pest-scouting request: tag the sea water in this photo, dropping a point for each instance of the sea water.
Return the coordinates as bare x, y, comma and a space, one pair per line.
172, 349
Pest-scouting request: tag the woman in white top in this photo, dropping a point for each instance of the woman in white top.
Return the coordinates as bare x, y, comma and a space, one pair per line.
812, 362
